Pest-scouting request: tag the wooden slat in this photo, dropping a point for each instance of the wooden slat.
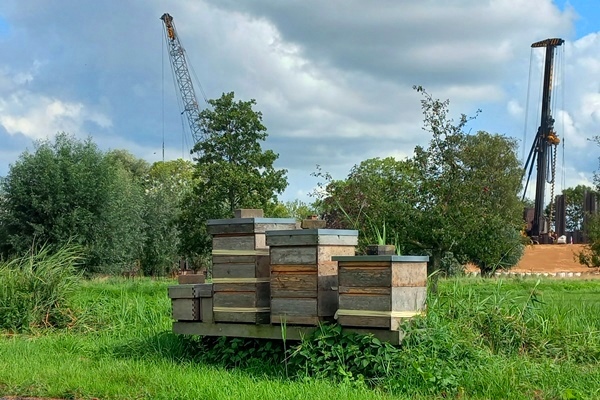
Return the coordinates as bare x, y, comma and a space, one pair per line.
186, 309
293, 255
358, 321
365, 277
272, 331
364, 302
240, 287
409, 274
206, 310
294, 306
237, 317
364, 264
294, 268
285, 284
233, 242
365, 290
233, 259
190, 291
408, 298
295, 320
248, 227
327, 303
234, 271
259, 298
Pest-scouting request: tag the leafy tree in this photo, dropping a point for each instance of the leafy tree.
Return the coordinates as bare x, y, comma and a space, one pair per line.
574, 198
167, 183
69, 191
232, 170
291, 209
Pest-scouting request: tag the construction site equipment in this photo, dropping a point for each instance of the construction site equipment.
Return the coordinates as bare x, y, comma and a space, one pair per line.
183, 78
544, 148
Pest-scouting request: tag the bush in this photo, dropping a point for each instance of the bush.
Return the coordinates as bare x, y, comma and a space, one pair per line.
36, 287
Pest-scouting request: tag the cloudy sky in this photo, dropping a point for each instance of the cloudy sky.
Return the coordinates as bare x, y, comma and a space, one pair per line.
333, 79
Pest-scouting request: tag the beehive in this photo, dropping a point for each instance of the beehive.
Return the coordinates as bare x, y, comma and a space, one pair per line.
303, 275
192, 302
380, 291
241, 267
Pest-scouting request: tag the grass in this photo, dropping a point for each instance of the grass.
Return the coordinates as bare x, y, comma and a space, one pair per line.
482, 339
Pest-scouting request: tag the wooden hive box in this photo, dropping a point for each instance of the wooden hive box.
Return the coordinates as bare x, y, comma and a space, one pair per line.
303, 275
380, 291
192, 302
241, 268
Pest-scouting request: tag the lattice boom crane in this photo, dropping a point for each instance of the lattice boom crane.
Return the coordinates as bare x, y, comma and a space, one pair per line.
183, 78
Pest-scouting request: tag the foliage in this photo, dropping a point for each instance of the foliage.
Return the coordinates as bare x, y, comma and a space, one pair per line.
166, 185
232, 171
459, 195
70, 191
36, 289
291, 209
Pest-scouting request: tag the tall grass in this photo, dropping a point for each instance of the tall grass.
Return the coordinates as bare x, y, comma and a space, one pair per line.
35, 289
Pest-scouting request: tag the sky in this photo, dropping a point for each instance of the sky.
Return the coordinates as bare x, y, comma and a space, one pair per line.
333, 79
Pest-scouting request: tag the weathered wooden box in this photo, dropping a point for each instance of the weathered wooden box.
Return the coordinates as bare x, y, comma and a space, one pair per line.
303, 275
192, 302
380, 291
241, 268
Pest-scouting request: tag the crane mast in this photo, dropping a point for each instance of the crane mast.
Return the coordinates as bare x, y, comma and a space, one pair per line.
183, 78
543, 150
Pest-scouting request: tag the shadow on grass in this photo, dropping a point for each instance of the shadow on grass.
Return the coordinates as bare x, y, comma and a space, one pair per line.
258, 357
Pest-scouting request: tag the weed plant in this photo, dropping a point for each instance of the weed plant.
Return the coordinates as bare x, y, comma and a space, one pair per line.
35, 289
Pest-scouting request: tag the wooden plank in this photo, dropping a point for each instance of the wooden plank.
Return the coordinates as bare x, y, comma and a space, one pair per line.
233, 242
246, 317
250, 226
293, 255
286, 284
234, 271
185, 309
248, 213
272, 331
238, 287
409, 274
233, 259
363, 264
259, 298
301, 239
260, 241
375, 322
206, 310
365, 302
365, 290
294, 306
263, 266
365, 277
295, 320
190, 291
295, 268
408, 298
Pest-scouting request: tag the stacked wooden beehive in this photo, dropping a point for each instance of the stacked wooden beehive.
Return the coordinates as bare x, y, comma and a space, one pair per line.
241, 266
303, 275
380, 291
192, 302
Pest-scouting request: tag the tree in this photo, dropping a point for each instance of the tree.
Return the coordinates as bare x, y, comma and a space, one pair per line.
291, 209
67, 190
574, 198
232, 171
166, 185
466, 192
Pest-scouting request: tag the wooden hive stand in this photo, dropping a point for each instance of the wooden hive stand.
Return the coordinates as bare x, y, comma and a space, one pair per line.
380, 291
303, 275
241, 266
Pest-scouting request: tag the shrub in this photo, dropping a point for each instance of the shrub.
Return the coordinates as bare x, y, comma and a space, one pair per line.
36, 287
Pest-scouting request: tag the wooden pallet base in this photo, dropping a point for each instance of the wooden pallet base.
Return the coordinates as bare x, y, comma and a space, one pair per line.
271, 331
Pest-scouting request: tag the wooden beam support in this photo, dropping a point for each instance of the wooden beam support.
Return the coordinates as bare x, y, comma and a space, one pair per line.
272, 331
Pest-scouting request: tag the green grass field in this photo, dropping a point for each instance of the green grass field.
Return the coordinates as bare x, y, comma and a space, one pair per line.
481, 339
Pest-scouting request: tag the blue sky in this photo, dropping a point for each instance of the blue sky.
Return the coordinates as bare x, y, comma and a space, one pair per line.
333, 83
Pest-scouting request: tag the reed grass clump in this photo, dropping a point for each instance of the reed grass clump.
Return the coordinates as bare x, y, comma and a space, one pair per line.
35, 289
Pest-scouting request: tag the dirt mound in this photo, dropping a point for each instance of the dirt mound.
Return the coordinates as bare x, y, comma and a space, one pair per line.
549, 258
